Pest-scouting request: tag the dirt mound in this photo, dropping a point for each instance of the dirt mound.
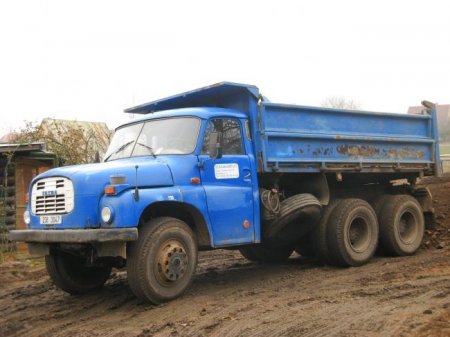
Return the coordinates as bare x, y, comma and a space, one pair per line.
439, 236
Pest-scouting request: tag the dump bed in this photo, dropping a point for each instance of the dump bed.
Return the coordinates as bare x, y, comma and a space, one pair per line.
291, 138
299, 138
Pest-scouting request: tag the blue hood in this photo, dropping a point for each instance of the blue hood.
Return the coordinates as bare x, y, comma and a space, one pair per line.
91, 179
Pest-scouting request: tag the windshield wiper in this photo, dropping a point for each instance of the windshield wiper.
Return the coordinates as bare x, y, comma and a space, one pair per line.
123, 147
148, 148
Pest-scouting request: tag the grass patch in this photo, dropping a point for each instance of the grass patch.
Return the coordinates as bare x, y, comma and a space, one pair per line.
445, 148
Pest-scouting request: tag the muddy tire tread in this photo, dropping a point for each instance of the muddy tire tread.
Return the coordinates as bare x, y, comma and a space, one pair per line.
150, 234
338, 253
388, 216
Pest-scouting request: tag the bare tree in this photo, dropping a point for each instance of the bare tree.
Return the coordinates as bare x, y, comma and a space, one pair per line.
340, 102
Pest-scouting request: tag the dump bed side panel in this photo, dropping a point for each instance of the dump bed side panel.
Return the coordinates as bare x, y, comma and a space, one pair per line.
309, 139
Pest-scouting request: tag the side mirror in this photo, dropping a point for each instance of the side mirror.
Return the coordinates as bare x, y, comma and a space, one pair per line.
215, 145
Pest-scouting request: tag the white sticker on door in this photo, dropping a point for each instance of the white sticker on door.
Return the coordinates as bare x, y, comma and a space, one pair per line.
226, 171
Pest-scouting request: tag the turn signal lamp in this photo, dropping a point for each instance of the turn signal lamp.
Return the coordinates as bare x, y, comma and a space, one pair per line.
110, 190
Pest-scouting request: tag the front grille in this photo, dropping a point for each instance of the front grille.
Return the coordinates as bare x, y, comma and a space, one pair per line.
52, 196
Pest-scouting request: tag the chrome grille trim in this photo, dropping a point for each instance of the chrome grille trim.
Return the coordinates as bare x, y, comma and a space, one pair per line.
53, 195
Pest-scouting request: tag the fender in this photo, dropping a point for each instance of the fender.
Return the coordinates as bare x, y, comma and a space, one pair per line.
128, 212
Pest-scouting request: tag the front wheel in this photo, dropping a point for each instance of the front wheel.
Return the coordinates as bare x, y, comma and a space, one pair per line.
71, 274
161, 263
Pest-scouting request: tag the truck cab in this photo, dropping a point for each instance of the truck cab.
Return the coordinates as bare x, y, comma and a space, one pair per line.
213, 181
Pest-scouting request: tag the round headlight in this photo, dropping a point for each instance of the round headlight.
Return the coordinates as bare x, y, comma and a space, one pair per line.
26, 217
107, 214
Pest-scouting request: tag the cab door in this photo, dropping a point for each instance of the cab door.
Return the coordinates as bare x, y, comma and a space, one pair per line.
227, 182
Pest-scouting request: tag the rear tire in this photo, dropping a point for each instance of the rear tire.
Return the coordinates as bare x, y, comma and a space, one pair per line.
70, 273
319, 235
402, 225
377, 205
352, 234
266, 254
162, 262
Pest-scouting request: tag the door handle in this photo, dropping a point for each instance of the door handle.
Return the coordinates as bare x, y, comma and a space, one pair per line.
247, 174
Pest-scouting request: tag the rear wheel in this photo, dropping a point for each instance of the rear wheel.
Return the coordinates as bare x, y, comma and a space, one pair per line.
161, 263
352, 235
401, 225
71, 274
268, 254
319, 235
377, 205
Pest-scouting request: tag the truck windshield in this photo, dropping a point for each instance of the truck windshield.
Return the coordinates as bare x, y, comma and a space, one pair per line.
154, 137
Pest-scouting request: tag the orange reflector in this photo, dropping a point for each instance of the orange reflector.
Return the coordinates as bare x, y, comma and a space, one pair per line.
110, 190
195, 180
246, 224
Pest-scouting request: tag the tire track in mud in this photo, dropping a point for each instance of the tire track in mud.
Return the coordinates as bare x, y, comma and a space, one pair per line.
232, 297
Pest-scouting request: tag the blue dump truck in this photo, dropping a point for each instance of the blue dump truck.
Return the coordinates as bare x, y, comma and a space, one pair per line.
223, 167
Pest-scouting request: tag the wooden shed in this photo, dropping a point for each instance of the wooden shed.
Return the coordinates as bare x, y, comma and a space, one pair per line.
19, 164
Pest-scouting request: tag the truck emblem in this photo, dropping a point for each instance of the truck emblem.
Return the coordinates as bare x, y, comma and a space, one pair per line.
49, 193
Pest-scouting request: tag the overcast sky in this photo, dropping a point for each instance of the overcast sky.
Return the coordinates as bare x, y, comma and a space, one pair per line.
89, 60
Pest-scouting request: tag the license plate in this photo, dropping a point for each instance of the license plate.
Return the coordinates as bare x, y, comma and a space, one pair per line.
51, 219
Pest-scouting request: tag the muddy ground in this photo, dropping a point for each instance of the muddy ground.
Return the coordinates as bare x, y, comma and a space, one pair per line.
230, 296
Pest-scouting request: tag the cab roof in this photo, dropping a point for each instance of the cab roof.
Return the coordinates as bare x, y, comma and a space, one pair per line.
216, 95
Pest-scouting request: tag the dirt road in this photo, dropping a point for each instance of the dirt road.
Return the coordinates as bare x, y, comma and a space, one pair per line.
407, 296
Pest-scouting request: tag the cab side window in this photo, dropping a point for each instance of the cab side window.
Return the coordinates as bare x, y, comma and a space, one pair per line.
231, 135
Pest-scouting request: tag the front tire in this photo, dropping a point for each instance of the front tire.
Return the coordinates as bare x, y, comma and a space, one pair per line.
162, 262
70, 273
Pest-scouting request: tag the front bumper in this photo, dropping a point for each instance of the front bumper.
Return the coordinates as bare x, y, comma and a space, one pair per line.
74, 235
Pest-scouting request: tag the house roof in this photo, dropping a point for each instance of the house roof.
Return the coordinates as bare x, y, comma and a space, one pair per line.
442, 110
30, 147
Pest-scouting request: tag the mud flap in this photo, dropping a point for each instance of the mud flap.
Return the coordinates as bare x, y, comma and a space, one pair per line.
425, 199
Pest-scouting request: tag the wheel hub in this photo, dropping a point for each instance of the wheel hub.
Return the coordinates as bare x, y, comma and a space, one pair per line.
407, 228
359, 235
172, 261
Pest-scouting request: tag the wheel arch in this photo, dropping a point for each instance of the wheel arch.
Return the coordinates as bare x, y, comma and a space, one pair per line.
184, 212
